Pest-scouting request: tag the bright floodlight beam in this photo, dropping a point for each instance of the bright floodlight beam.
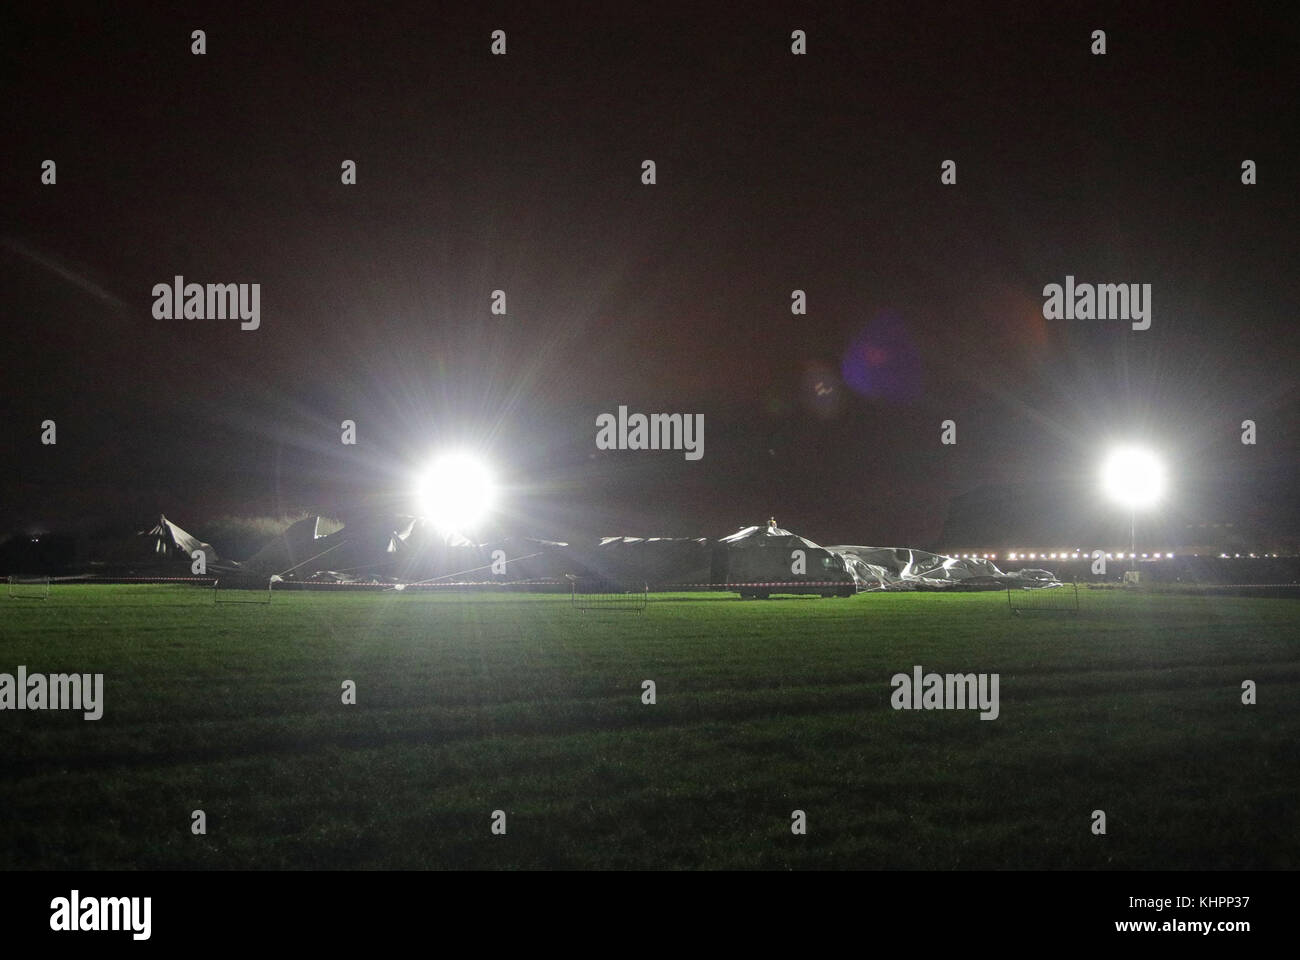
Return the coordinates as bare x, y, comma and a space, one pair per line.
1135, 478
456, 493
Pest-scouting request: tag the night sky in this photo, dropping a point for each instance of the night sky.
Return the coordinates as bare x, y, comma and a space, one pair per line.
523, 173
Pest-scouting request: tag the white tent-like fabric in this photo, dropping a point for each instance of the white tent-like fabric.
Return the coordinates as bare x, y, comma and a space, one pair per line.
904, 568
166, 541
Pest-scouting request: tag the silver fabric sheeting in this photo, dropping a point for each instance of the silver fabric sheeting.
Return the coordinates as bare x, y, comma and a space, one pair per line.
903, 568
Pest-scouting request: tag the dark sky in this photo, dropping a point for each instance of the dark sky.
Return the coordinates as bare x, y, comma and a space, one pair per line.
522, 173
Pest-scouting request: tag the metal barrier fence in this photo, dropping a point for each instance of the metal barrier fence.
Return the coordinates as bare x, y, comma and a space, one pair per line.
1062, 598
609, 595
28, 587
237, 590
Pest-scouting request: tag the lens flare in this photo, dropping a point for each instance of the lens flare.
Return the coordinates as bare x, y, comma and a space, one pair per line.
455, 493
1133, 477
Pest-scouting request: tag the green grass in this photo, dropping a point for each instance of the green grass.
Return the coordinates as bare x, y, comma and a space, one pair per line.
520, 703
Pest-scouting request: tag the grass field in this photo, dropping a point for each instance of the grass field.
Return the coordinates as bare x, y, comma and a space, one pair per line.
520, 703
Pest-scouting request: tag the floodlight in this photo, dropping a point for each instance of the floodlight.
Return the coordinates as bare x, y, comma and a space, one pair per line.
456, 492
1133, 477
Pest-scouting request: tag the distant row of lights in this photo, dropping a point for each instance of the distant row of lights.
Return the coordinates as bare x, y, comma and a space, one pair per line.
1086, 555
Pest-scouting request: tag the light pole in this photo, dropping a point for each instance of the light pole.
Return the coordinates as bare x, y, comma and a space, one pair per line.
1133, 477
1132, 539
